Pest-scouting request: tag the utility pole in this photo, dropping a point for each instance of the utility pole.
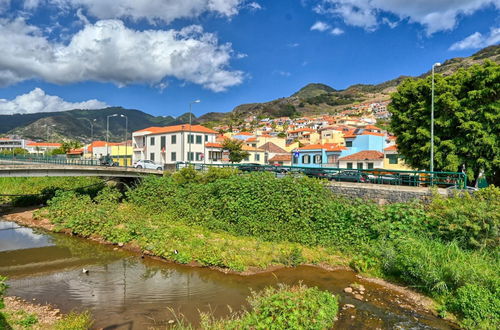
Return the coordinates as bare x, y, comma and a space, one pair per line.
432, 118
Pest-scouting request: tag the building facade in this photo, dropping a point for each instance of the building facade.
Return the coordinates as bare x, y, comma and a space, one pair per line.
172, 144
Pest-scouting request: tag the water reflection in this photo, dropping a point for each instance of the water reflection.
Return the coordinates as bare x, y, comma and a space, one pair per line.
124, 291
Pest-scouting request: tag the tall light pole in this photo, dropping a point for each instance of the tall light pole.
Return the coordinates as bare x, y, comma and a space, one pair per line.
107, 132
189, 134
126, 140
91, 122
432, 117
47, 131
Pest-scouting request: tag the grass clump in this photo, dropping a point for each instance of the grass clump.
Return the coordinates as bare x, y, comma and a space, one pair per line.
282, 307
74, 321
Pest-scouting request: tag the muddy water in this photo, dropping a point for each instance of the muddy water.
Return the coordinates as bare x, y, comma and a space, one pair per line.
124, 291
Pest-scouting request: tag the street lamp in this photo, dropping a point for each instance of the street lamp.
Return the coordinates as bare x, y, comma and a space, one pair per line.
126, 139
432, 117
107, 132
47, 131
189, 134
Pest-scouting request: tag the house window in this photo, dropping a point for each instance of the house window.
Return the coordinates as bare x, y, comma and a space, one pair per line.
173, 139
190, 138
190, 156
257, 157
173, 156
360, 166
348, 144
206, 138
199, 155
332, 159
306, 159
247, 158
163, 142
393, 159
152, 141
152, 156
349, 165
199, 139
295, 159
370, 166
317, 159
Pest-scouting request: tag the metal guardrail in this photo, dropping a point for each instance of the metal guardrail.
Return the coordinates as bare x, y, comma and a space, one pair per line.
373, 176
49, 160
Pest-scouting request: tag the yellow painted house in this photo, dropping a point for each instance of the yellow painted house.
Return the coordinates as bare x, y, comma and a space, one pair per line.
393, 161
122, 154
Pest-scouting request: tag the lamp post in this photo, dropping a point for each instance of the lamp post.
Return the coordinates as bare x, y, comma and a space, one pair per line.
107, 132
126, 140
189, 134
47, 131
432, 117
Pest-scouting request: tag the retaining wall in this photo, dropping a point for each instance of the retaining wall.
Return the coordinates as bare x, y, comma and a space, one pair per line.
383, 194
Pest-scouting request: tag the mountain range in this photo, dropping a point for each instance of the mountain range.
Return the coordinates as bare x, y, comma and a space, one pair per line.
311, 99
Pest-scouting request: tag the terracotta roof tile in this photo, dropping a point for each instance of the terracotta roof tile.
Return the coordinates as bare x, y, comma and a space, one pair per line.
281, 158
177, 128
271, 147
394, 147
365, 155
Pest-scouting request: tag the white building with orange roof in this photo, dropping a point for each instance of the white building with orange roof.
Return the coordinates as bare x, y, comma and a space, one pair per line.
41, 148
172, 144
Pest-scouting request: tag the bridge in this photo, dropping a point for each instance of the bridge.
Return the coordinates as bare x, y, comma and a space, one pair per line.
44, 170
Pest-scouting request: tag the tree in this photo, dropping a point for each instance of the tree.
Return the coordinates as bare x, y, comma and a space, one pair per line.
467, 121
66, 147
15, 151
236, 154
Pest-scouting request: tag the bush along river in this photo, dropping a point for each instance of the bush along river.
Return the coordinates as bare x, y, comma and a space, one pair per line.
124, 290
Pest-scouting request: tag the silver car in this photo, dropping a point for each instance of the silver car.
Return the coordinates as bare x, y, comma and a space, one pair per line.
148, 164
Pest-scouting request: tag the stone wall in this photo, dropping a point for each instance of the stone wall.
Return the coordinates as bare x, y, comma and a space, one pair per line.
383, 194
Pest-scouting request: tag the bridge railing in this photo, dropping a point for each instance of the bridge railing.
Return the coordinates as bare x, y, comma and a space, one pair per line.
373, 176
41, 159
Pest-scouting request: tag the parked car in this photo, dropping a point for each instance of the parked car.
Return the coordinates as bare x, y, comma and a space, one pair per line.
107, 161
317, 173
251, 167
349, 176
384, 179
148, 164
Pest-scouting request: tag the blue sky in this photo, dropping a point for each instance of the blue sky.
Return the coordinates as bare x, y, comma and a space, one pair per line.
158, 55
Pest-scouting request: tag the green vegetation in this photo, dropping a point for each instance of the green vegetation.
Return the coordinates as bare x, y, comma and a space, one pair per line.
74, 321
448, 249
285, 307
236, 154
35, 191
467, 113
15, 151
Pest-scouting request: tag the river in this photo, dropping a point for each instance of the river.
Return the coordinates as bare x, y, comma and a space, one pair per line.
126, 291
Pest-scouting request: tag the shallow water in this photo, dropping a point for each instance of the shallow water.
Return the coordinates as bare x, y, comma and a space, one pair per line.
124, 291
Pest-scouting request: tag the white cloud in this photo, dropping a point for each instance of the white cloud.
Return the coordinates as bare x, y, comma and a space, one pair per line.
293, 44
478, 40
107, 51
152, 10
337, 31
254, 6
434, 15
320, 26
38, 101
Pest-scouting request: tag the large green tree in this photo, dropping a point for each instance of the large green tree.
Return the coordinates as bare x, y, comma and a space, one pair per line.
467, 121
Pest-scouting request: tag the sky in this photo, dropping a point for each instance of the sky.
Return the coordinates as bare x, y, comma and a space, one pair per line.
158, 56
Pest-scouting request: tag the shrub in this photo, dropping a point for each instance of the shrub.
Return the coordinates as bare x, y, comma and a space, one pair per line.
472, 220
3, 289
296, 307
284, 307
479, 307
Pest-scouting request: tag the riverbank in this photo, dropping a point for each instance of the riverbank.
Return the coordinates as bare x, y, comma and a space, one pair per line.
446, 249
20, 314
407, 298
